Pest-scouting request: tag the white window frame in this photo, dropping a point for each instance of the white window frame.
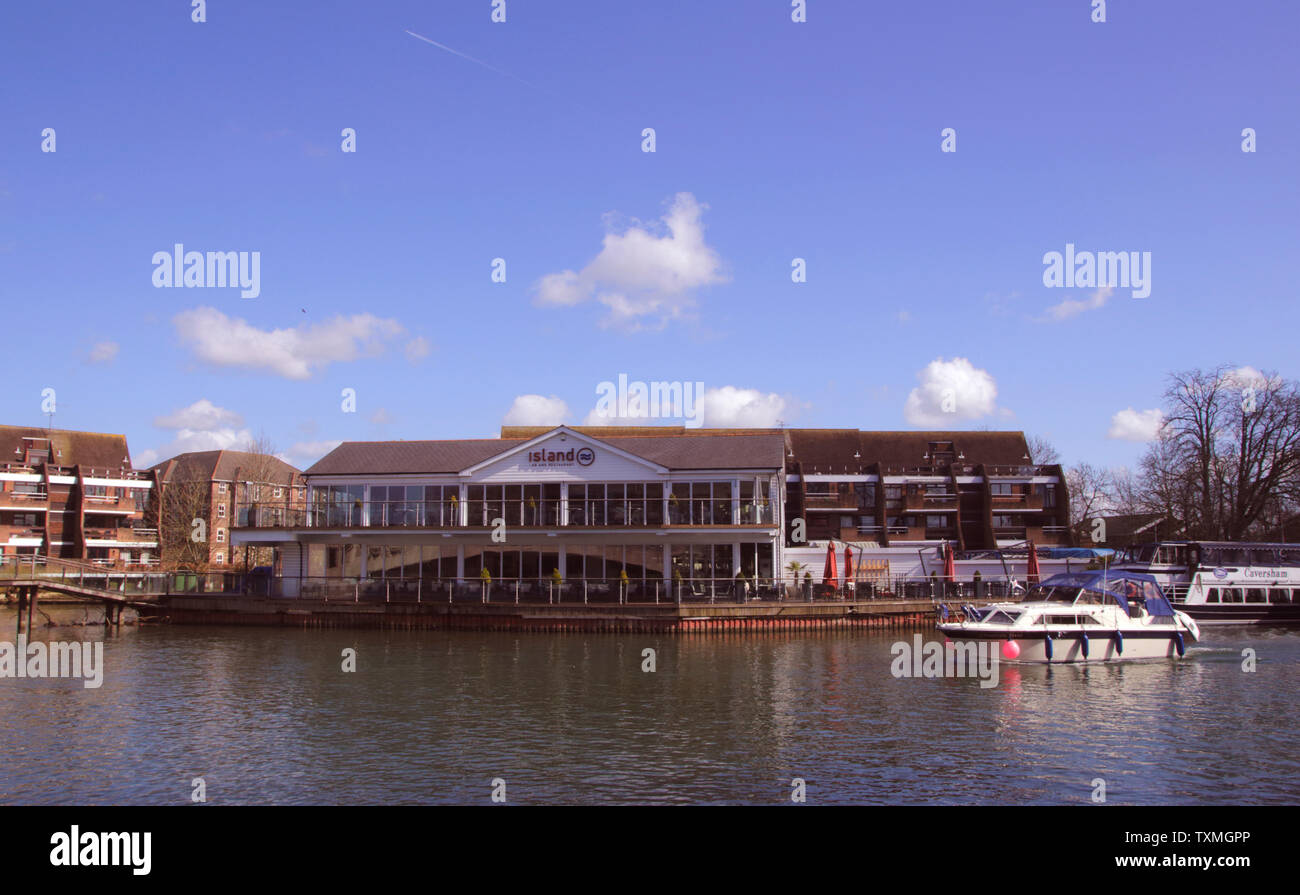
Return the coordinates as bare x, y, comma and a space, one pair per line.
221, 511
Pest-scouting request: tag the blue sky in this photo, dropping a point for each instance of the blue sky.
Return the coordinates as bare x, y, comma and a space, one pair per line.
775, 140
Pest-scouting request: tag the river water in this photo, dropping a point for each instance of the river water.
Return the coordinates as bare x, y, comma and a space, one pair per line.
267, 715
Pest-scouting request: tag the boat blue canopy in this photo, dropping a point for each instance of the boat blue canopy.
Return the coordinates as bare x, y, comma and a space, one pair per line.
1123, 586
1075, 552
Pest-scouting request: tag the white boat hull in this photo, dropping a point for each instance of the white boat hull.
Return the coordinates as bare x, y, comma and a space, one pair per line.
1068, 648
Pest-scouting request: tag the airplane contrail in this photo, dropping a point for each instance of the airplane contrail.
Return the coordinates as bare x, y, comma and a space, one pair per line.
464, 56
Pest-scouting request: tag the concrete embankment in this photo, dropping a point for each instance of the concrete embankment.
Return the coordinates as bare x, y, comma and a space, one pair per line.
633, 618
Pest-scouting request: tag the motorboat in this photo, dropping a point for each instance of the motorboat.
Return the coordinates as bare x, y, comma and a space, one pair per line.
1096, 616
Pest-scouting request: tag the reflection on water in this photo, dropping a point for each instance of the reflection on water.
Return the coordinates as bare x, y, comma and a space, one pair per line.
267, 716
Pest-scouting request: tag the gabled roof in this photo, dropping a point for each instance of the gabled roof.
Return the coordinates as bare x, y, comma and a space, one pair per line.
694, 451
225, 466
68, 448
564, 432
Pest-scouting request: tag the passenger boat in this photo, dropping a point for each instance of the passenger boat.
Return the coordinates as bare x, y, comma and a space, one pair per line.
1095, 616
1221, 582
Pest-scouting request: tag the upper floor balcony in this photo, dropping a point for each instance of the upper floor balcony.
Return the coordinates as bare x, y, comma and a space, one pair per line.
530, 513
34, 499
932, 501
1017, 500
1023, 470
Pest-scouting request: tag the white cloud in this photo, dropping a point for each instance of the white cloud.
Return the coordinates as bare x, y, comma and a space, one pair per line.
202, 414
639, 275
187, 440
1136, 425
536, 410
294, 353
741, 408
202, 426
720, 408
104, 352
1246, 377
950, 391
417, 349
304, 453
1071, 307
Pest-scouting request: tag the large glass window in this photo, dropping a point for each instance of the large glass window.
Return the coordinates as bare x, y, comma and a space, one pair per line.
654, 507
721, 503
530, 562
578, 505
679, 503
551, 504
701, 506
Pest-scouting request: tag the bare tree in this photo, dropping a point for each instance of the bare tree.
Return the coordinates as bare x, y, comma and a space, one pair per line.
1041, 451
1090, 494
1126, 492
183, 525
1230, 446
1261, 451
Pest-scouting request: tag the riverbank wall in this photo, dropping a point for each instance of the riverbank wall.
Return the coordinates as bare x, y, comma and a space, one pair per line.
616, 618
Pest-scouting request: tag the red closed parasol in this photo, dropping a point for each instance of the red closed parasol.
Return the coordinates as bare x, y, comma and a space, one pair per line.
1032, 571
828, 574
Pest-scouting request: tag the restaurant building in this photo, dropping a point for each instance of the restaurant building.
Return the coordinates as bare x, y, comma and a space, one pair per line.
633, 507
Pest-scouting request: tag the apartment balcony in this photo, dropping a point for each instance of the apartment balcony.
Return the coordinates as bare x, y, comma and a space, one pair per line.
99, 504
1028, 501
1011, 534
1048, 535
18, 468
929, 502
1027, 469
24, 499
98, 536
823, 501
16, 536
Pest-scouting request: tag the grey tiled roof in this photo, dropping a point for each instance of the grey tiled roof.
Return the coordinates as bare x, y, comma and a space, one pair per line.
680, 452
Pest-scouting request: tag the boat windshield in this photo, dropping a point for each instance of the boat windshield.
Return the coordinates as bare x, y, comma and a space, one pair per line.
1052, 593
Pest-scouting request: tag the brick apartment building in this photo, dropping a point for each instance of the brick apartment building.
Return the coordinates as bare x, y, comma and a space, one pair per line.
73, 495
223, 489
